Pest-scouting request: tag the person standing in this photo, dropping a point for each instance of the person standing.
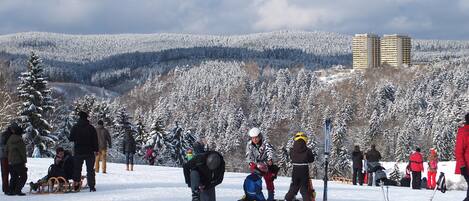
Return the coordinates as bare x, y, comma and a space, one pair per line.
258, 150
357, 160
85, 139
372, 156
16, 150
202, 173
462, 152
416, 166
104, 142
432, 168
300, 156
4, 159
129, 147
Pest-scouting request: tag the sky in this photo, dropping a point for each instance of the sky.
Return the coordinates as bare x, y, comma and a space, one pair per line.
423, 19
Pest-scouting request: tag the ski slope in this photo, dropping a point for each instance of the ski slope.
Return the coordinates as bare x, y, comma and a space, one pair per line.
167, 184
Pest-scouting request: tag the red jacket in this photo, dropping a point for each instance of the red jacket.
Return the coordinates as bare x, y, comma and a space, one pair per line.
416, 162
462, 143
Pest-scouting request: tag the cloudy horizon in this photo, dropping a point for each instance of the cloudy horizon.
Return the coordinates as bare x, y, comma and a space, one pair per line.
418, 18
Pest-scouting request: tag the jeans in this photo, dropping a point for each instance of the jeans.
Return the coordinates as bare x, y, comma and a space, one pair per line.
129, 158
197, 194
78, 165
18, 177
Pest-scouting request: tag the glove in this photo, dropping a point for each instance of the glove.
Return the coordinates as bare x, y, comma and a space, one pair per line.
463, 171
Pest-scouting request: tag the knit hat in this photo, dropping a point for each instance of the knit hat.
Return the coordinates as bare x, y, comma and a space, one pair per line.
301, 136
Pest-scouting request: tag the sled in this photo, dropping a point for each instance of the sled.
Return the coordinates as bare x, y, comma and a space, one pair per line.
342, 180
57, 185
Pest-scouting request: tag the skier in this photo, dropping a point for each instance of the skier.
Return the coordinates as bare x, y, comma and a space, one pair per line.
203, 173
4, 158
300, 156
104, 142
432, 168
83, 134
253, 184
416, 166
372, 156
258, 150
357, 159
128, 148
462, 152
16, 150
62, 167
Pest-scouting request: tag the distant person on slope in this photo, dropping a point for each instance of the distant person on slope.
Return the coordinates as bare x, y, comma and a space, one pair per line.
432, 168
16, 150
258, 150
4, 158
129, 147
104, 142
202, 173
372, 156
253, 184
462, 152
83, 134
300, 156
416, 166
357, 160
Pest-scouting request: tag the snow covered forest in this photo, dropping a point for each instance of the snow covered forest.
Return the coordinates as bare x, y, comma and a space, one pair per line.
171, 88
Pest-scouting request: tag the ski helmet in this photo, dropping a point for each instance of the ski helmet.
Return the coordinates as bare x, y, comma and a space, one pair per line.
261, 169
254, 132
213, 161
301, 136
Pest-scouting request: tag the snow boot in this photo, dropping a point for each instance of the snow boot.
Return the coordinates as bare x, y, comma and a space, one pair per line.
195, 195
271, 195
93, 189
132, 167
33, 186
127, 167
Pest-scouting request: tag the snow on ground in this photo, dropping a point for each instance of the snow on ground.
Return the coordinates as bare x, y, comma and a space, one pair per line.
167, 184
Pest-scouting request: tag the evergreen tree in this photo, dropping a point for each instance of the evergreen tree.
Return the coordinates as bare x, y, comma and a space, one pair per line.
443, 141
36, 103
142, 134
395, 174
121, 124
339, 158
176, 146
404, 146
158, 142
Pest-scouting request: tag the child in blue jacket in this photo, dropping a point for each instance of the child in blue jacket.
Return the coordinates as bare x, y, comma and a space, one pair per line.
253, 184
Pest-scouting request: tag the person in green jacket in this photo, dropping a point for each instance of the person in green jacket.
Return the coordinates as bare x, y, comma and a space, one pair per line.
16, 151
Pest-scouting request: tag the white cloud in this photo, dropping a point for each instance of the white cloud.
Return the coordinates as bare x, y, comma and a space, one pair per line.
403, 23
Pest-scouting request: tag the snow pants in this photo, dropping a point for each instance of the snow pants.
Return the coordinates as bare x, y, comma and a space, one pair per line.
18, 177
300, 179
197, 194
102, 156
78, 165
431, 180
129, 158
5, 172
357, 174
416, 180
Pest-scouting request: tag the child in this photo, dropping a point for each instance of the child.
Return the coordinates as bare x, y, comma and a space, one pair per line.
189, 154
253, 184
301, 156
432, 168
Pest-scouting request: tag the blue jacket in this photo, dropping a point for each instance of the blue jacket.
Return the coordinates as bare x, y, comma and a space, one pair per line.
253, 188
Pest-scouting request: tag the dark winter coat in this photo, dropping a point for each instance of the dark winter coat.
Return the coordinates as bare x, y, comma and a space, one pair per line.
199, 148
357, 157
128, 144
261, 152
104, 138
208, 178
85, 138
63, 168
16, 150
373, 155
3, 144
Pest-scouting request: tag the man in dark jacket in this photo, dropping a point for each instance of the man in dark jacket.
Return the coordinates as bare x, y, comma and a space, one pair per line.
128, 148
16, 150
203, 173
300, 156
357, 159
83, 134
104, 142
62, 167
4, 159
372, 156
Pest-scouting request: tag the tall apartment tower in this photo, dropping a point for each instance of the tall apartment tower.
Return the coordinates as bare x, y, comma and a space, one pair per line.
365, 50
395, 50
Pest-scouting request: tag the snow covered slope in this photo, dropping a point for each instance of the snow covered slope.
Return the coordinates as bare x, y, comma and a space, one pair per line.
165, 184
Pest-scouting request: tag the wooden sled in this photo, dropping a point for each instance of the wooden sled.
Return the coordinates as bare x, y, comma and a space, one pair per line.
342, 180
57, 185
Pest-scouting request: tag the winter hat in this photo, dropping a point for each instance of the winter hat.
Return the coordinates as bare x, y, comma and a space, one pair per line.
100, 122
254, 132
301, 136
433, 151
418, 149
261, 169
83, 115
213, 161
17, 130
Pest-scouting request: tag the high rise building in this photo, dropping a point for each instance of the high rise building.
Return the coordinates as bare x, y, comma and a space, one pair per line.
395, 50
365, 50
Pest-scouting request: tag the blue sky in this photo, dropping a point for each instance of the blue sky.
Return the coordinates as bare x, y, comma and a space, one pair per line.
426, 19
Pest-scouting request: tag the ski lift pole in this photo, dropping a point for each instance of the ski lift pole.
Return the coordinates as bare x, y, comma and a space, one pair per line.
327, 150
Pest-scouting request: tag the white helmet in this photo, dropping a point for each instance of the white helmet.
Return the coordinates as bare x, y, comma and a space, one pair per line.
254, 132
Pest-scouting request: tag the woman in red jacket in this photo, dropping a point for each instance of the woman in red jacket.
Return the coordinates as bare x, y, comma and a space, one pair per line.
432, 168
416, 166
462, 155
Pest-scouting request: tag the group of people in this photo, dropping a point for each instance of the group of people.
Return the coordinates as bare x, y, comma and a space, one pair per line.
90, 147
